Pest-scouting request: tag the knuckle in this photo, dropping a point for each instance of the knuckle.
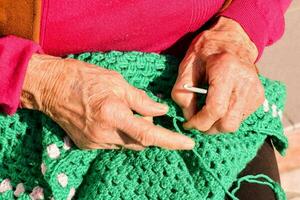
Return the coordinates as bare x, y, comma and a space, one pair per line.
141, 94
139, 100
223, 56
105, 106
232, 66
144, 138
105, 112
205, 35
207, 48
110, 110
136, 95
252, 79
226, 57
218, 110
174, 94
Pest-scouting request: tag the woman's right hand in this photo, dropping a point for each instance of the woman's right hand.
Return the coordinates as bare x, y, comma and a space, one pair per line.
94, 105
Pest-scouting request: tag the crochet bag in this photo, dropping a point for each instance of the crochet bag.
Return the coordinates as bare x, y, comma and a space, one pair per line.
38, 160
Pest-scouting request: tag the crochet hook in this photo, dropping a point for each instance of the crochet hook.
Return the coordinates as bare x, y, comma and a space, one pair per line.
194, 89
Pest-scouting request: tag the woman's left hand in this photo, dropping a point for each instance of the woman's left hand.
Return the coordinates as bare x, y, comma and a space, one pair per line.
223, 57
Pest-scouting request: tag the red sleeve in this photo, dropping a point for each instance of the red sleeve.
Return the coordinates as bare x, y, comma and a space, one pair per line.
263, 20
14, 57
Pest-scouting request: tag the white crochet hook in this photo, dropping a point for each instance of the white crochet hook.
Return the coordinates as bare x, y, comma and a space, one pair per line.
194, 89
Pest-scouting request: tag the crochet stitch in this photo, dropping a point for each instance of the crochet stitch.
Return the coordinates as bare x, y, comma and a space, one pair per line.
38, 160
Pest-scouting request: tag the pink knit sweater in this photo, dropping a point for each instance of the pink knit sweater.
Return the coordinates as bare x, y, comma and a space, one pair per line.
74, 26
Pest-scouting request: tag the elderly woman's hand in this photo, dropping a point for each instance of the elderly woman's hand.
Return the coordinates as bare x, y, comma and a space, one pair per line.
223, 57
94, 105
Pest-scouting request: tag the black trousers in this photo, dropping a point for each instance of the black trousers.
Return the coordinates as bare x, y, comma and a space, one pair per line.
265, 163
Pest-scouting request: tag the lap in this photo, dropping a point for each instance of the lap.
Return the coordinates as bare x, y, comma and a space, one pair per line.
263, 163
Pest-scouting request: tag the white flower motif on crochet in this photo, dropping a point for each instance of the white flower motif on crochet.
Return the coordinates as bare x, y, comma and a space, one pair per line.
67, 143
43, 168
5, 185
71, 194
274, 110
37, 193
266, 106
53, 151
62, 179
280, 114
19, 189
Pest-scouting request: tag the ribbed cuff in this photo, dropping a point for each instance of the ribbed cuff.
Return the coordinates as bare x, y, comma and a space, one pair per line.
15, 54
262, 20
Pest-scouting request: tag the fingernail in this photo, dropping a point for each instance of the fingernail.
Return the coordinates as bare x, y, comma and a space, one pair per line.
163, 107
190, 144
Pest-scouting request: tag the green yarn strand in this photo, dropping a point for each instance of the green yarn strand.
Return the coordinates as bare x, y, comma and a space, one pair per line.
261, 179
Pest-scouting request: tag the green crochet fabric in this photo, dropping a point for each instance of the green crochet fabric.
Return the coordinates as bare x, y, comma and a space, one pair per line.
38, 161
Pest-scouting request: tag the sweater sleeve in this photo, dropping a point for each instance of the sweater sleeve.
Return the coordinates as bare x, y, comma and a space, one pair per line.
263, 20
15, 54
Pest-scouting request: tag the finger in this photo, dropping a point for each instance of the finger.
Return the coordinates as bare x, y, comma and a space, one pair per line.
217, 102
233, 118
113, 137
148, 134
128, 142
106, 133
140, 102
86, 143
241, 100
189, 73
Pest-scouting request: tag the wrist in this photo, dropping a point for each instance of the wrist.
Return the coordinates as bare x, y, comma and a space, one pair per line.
38, 82
226, 36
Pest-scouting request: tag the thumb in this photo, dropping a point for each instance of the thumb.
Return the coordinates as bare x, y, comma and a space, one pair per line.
189, 73
140, 102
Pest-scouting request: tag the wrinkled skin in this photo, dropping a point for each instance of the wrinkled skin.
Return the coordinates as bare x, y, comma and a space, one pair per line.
94, 106
223, 57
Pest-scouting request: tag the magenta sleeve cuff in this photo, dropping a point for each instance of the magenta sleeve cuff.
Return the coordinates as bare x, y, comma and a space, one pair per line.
15, 54
263, 20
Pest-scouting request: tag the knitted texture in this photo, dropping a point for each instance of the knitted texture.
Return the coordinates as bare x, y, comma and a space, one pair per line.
38, 160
